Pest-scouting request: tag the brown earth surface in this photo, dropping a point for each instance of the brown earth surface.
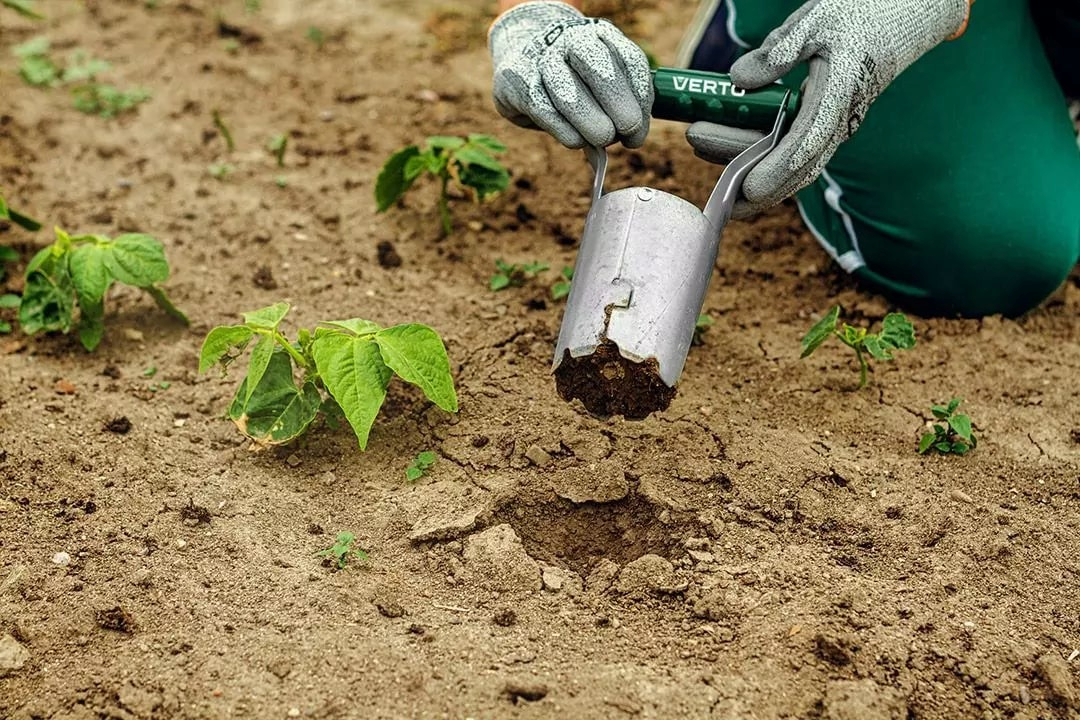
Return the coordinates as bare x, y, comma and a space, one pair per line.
771, 546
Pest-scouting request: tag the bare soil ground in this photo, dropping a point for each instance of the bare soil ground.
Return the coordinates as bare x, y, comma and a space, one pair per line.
770, 547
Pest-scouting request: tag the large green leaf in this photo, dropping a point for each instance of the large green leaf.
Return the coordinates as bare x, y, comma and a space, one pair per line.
392, 181
355, 326
137, 260
277, 411
417, 354
487, 142
220, 341
90, 273
353, 372
961, 425
267, 318
897, 331
260, 360
484, 180
820, 332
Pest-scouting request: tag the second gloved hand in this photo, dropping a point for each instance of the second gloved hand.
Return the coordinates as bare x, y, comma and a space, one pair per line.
855, 49
578, 78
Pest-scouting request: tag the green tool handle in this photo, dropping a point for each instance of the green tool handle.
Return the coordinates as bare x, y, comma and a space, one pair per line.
692, 95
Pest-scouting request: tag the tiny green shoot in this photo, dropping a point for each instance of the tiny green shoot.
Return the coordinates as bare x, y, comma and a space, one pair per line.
952, 434
420, 465
108, 101
469, 161
703, 323
222, 128
78, 270
8, 302
24, 221
561, 288
507, 275
220, 171
277, 146
281, 181
316, 36
35, 66
352, 361
897, 333
23, 7
253, 6
343, 550
149, 372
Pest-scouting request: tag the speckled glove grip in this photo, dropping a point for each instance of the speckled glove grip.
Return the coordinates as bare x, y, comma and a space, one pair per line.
578, 78
855, 49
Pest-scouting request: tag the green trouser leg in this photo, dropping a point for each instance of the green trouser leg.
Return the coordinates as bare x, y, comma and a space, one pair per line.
960, 193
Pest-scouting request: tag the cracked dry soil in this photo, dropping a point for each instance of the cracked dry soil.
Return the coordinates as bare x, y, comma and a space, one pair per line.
771, 546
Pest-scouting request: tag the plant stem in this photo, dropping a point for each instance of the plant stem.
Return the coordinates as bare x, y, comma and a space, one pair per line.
862, 366
297, 357
444, 207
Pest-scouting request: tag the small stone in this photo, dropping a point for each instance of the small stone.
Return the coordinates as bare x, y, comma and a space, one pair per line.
427, 95
961, 496
538, 456
116, 619
389, 608
526, 691
65, 387
1025, 695
12, 655
701, 556
181, 544
294, 712
293, 460
62, 559
1052, 668
134, 335
475, 225
119, 425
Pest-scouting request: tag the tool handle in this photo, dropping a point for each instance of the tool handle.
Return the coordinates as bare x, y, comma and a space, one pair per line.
692, 95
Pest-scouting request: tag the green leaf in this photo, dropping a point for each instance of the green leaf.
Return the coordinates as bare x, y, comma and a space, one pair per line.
413, 473
267, 318
24, 221
477, 156
48, 297
897, 332
953, 404
38, 70
83, 69
959, 448
392, 181
220, 341
417, 354
926, 441
277, 411
820, 332
940, 412
445, 142
877, 349
9, 301
91, 322
5, 327
23, 7
137, 260
7, 254
487, 142
426, 459
943, 446
355, 326
355, 375
90, 273
485, 181
499, 281
961, 425
260, 360
166, 304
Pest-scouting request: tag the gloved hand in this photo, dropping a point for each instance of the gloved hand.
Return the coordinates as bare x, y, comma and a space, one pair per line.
855, 48
578, 78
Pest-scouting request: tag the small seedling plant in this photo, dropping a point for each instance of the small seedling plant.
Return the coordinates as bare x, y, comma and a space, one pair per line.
897, 333
351, 360
343, 550
561, 288
507, 275
469, 161
78, 270
952, 434
277, 146
11, 215
420, 465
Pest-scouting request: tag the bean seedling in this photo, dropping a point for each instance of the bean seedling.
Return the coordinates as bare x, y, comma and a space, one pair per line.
226, 134
507, 275
37, 68
561, 288
952, 435
342, 550
468, 161
420, 465
896, 333
220, 171
277, 146
79, 270
352, 360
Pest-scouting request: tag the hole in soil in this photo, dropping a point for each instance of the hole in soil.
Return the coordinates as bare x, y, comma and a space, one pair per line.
580, 535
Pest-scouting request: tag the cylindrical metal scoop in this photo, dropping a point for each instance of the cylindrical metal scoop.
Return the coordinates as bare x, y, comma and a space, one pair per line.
646, 258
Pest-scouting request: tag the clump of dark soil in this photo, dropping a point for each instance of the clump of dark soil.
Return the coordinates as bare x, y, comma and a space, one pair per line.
609, 384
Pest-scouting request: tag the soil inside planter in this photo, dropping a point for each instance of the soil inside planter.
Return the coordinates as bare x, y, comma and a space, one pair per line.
609, 384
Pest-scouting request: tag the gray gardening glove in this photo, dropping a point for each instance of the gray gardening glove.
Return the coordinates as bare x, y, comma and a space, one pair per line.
855, 48
578, 78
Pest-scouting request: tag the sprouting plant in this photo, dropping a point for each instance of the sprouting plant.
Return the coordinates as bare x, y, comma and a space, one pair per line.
35, 66
253, 6
24, 221
896, 333
342, 550
8, 302
23, 7
222, 128
316, 36
561, 288
277, 146
281, 181
220, 171
507, 275
420, 465
79, 270
83, 69
703, 323
469, 161
954, 436
352, 360
107, 100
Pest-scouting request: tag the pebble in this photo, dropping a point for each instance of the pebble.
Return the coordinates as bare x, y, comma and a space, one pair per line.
181, 544
961, 496
133, 334
12, 655
538, 456
293, 460
62, 559
294, 712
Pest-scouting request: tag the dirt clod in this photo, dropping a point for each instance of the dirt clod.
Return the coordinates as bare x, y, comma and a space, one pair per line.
862, 700
609, 384
648, 575
835, 649
12, 655
1055, 672
116, 619
192, 514
527, 691
263, 278
496, 559
119, 425
387, 255
504, 617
